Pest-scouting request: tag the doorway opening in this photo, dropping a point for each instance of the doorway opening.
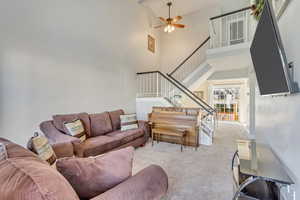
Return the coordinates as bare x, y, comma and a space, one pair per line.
226, 100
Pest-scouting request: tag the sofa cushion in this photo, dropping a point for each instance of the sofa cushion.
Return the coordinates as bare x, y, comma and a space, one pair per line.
100, 124
115, 119
127, 136
25, 177
95, 175
97, 145
59, 120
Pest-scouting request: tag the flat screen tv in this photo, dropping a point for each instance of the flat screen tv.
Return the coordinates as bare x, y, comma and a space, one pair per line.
268, 56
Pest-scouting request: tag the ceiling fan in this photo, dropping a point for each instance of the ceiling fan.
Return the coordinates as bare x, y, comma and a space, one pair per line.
171, 23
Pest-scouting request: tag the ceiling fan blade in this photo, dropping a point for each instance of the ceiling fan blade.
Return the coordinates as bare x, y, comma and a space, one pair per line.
176, 19
163, 19
159, 26
179, 25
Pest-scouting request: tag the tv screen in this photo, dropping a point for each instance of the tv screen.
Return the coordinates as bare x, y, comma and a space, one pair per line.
268, 56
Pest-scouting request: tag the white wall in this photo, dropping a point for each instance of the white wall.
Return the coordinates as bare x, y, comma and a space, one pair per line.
229, 5
66, 56
144, 106
277, 118
178, 45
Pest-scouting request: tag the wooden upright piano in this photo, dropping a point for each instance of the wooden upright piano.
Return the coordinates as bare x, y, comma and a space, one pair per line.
176, 120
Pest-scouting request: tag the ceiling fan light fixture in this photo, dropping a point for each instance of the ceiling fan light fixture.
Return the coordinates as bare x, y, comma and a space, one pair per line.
170, 23
169, 28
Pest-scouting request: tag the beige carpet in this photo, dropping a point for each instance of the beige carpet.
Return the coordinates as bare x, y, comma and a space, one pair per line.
195, 175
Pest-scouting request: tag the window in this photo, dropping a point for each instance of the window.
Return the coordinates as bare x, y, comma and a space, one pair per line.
236, 34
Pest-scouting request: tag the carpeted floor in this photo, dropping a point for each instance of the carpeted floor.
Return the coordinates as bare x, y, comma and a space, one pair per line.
195, 175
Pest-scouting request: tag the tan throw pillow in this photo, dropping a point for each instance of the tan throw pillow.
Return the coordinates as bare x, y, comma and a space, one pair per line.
40, 145
76, 129
128, 122
94, 175
3, 153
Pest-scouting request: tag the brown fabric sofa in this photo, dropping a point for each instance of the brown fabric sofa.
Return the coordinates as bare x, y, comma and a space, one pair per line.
102, 130
26, 177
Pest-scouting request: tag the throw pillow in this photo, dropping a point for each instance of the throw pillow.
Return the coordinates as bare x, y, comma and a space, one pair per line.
40, 145
3, 153
94, 175
128, 122
75, 128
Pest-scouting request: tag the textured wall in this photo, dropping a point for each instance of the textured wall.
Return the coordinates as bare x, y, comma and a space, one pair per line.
277, 118
66, 56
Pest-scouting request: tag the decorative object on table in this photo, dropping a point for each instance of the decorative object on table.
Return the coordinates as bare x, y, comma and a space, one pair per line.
97, 174
76, 129
151, 44
170, 24
3, 153
40, 145
257, 8
128, 122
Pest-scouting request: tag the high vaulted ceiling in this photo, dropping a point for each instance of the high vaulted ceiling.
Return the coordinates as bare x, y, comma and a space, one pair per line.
185, 7
180, 7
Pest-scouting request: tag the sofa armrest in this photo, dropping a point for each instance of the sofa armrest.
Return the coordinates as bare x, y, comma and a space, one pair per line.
149, 184
63, 145
145, 126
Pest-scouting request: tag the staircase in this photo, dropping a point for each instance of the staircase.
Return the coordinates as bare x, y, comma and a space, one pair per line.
174, 88
156, 84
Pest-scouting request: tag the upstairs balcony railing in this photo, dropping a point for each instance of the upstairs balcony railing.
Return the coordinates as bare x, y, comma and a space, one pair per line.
231, 28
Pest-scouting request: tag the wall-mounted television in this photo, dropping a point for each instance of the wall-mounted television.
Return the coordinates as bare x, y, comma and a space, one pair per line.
269, 58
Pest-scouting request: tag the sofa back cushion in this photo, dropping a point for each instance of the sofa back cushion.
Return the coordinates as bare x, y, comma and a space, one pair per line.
95, 175
59, 120
115, 119
25, 177
100, 124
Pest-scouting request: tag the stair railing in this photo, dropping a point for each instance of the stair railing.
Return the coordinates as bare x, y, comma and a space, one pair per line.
157, 84
194, 60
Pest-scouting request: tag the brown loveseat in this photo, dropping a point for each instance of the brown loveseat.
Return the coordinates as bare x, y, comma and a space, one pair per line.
102, 130
24, 176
